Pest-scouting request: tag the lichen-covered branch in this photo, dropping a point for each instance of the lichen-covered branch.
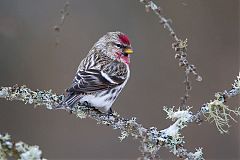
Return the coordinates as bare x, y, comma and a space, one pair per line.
179, 46
217, 111
151, 139
19, 150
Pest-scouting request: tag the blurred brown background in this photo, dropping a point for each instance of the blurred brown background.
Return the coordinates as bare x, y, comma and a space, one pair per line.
28, 56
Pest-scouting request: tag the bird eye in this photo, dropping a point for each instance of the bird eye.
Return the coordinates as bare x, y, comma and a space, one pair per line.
119, 45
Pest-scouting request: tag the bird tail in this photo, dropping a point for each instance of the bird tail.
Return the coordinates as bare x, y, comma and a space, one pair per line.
69, 100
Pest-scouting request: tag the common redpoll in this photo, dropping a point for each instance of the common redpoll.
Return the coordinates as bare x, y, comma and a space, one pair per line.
102, 74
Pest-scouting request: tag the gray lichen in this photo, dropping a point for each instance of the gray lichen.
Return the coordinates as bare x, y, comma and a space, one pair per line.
151, 139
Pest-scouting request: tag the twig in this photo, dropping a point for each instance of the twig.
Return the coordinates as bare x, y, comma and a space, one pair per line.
57, 28
179, 46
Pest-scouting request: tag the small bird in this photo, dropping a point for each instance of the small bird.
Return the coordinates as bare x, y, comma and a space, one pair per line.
102, 74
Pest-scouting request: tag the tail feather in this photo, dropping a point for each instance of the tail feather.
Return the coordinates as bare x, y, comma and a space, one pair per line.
70, 100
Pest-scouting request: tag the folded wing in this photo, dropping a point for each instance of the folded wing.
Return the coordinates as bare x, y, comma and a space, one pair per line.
91, 80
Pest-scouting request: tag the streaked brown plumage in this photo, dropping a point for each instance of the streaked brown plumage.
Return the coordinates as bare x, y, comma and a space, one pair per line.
102, 74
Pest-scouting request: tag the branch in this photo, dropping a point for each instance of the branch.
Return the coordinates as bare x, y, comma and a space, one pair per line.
19, 150
216, 110
151, 139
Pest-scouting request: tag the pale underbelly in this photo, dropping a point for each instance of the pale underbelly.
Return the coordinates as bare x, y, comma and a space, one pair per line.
103, 99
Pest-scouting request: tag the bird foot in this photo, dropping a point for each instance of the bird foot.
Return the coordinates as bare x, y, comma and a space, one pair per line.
110, 113
86, 104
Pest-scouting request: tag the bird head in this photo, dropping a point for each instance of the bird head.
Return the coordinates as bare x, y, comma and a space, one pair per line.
115, 45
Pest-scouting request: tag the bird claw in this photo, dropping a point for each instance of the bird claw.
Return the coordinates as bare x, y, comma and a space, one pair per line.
88, 105
70, 111
85, 103
110, 113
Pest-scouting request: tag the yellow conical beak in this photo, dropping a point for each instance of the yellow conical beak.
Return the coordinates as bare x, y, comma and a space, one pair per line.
128, 51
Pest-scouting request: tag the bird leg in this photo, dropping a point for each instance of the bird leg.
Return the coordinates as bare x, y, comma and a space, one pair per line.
110, 112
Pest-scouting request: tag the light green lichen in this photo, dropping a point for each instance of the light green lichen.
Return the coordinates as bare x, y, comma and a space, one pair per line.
220, 113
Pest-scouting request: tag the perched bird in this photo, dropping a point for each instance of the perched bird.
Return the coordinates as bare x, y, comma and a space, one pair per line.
102, 74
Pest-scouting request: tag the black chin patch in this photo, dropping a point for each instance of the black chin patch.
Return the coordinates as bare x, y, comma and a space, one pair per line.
125, 54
